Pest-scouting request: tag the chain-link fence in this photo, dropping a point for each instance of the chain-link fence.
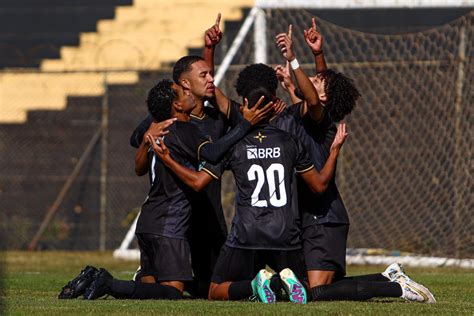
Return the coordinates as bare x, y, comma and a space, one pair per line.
405, 172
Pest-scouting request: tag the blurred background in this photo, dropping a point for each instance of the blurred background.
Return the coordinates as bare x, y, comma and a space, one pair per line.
74, 76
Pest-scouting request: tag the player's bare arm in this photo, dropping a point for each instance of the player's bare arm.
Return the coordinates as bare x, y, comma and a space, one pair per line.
212, 37
286, 82
196, 180
156, 129
319, 181
314, 40
285, 43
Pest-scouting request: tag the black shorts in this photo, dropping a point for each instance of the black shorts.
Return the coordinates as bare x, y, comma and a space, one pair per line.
324, 247
235, 264
167, 259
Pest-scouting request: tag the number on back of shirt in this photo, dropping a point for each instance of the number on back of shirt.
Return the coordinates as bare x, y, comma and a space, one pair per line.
274, 177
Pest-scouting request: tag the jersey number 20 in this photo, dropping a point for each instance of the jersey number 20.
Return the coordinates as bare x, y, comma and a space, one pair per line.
256, 173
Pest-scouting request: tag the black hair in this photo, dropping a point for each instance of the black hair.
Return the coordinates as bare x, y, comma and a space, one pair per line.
256, 75
341, 93
184, 65
160, 99
254, 95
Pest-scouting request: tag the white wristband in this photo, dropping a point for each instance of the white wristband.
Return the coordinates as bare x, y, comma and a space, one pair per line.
294, 64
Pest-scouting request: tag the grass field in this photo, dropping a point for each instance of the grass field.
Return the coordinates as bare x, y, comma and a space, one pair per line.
32, 281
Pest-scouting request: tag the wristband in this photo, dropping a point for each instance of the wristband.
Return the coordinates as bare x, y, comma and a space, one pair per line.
294, 64
317, 53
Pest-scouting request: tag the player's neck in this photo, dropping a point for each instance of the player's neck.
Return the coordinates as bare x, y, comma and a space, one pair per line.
181, 116
199, 108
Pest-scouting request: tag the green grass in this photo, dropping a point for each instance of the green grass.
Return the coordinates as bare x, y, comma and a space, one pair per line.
32, 281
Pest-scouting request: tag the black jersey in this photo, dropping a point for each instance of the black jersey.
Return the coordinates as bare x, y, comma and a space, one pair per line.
167, 209
317, 138
213, 125
263, 164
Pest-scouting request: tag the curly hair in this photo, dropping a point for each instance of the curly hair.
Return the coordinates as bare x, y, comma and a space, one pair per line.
184, 65
256, 75
342, 94
160, 99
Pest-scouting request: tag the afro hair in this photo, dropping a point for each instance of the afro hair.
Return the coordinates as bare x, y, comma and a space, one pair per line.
160, 99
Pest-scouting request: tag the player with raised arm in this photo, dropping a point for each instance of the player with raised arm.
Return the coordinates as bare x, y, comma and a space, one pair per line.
325, 221
265, 228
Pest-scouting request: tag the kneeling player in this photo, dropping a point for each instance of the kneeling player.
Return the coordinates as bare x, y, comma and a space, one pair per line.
265, 229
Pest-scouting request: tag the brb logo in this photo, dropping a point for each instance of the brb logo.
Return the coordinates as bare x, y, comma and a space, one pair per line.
254, 152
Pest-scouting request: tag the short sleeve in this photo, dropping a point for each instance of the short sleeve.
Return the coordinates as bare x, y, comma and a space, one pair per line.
139, 132
303, 160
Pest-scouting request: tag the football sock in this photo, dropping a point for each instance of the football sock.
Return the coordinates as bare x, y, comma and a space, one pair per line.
355, 290
122, 289
378, 277
275, 285
240, 290
146, 291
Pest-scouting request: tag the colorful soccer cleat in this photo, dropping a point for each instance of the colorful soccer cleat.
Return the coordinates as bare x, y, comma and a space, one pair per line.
293, 287
77, 286
412, 291
261, 287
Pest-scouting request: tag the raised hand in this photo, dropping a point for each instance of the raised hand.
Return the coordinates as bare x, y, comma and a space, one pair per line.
340, 137
284, 76
285, 43
256, 115
213, 35
313, 38
158, 129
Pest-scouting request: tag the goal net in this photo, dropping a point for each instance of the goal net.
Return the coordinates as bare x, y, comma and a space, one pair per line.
405, 172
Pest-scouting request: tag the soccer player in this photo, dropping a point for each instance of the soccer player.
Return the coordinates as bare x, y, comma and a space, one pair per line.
208, 227
325, 221
265, 228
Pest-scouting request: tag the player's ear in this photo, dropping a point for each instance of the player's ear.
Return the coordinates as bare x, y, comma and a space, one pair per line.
185, 84
323, 97
177, 107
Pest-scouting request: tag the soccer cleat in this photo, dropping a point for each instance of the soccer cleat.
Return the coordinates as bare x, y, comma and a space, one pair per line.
393, 271
100, 286
261, 287
293, 287
412, 291
77, 286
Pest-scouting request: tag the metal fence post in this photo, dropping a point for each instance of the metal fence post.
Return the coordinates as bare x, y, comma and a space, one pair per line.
103, 167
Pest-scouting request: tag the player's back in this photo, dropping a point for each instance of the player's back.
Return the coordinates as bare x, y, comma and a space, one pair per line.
263, 164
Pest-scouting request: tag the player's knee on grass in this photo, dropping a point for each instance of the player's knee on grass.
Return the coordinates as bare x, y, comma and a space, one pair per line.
219, 291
